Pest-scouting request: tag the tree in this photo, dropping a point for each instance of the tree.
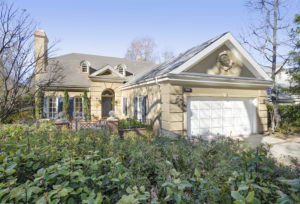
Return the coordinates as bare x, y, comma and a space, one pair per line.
66, 105
267, 38
167, 54
141, 49
39, 105
17, 64
295, 59
86, 107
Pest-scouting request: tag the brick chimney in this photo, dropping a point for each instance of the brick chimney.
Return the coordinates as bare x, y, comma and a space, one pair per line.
40, 52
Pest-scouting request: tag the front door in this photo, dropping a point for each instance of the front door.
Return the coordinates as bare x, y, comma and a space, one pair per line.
106, 106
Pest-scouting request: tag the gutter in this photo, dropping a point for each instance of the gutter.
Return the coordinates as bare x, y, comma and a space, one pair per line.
201, 80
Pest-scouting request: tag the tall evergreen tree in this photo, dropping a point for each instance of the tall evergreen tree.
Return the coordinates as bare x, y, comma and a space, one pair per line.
66, 105
39, 105
86, 107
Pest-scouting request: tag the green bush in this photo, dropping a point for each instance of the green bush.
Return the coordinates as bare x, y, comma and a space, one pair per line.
45, 165
130, 123
290, 116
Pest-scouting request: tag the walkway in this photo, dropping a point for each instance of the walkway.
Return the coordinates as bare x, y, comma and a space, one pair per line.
284, 150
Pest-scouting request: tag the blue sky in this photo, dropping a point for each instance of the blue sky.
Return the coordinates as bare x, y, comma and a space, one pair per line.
107, 27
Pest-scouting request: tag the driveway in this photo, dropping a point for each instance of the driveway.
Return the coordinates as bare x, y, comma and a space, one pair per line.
284, 150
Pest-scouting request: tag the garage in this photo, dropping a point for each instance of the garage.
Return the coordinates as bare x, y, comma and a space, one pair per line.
211, 117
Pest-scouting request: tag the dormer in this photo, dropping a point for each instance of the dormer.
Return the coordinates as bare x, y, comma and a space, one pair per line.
84, 67
121, 68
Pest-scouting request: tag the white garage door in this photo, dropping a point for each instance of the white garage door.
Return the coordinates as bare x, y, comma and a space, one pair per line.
211, 117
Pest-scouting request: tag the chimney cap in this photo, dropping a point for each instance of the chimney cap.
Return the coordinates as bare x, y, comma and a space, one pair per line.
40, 33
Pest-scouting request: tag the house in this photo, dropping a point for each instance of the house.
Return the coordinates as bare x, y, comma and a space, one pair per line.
283, 80
215, 88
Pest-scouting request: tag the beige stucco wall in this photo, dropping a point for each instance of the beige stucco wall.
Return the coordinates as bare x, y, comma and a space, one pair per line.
210, 61
153, 104
94, 93
174, 117
96, 90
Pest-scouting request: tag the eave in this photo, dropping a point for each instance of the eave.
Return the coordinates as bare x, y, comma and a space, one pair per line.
194, 79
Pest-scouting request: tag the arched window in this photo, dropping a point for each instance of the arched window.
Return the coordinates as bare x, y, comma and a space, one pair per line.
122, 69
84, 67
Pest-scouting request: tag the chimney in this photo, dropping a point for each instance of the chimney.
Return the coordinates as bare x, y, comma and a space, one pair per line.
41, 49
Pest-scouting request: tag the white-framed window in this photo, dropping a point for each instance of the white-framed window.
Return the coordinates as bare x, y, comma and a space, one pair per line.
52, 107
84, 67
124, 106
139, 107
78, 107
122, 69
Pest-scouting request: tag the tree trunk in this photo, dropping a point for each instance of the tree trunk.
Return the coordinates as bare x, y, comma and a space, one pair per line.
276, 117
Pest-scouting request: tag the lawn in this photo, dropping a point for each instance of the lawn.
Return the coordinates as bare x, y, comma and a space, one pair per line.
45, 165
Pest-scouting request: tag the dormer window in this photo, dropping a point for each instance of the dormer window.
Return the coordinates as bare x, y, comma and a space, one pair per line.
84, 67
122, 69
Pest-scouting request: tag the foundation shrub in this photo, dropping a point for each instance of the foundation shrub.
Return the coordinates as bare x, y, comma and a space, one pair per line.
46, 165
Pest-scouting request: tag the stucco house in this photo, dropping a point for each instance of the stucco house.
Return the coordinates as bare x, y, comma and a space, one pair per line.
283, 80
215, 88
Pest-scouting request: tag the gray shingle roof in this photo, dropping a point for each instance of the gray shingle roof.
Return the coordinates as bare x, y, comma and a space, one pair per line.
70, 65
174, 62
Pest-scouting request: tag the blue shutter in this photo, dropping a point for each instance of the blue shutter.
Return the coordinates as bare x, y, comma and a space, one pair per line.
144, 109
45, 108
135, 108
71, 107
60, 104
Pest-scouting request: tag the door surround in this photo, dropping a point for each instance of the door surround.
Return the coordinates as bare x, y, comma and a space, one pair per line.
107, 101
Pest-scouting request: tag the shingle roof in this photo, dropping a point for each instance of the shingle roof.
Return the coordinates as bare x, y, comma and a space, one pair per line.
174, 62
70, 65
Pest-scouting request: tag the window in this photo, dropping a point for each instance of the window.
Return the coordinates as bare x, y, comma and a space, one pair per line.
84, 67
140, 108
122, 69
52, 107
124, 110
78, 107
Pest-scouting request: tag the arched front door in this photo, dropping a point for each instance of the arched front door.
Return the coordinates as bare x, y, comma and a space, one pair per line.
107, 102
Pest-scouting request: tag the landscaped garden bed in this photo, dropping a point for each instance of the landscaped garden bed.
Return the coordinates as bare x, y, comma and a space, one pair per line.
46, 165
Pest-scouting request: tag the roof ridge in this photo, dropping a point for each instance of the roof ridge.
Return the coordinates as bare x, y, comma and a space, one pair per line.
94, 55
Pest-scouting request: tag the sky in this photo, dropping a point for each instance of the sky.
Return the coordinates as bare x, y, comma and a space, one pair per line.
108, 27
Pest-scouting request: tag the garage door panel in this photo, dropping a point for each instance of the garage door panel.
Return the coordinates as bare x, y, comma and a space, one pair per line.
203, 131
216, 104
204, 104
194, 105
204, 123
195, 115
227, 112
228, 122
204, 114
216, 122
216, 113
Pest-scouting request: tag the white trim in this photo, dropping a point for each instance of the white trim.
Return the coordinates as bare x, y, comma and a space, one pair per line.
87, 67
48, 107
106, 67
208, 50
201, 80
122, 104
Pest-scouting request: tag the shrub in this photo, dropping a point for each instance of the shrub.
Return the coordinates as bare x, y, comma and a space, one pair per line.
66, 105
130, 123
290, 116
45, 165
